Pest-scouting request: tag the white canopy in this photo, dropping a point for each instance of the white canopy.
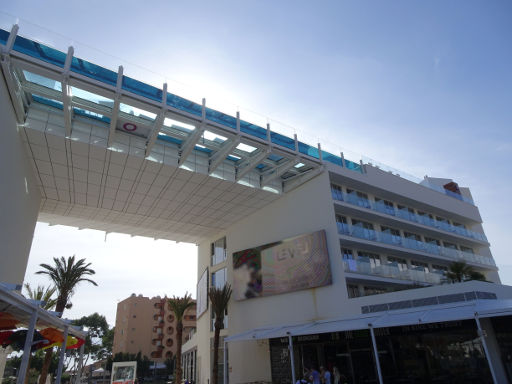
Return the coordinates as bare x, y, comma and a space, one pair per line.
411, 316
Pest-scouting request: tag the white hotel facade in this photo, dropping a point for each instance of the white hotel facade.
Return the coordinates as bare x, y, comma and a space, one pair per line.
90, 147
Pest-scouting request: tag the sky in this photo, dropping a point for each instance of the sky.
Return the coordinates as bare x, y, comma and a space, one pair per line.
425, 87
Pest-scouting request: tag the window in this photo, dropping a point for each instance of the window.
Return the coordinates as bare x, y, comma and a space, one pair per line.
449, 245
430, 240
363, 229
412, 236
218, 251
353, 291
419, 266
391, 235
406, 213
466, 249
347, 254
384, 206
400, 263
341, 222
358, 198
337, 193
426, 218
372, 258
362, 224
219, 277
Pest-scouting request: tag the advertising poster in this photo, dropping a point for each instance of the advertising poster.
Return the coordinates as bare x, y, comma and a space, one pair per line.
289, 265
202, 294
124, 372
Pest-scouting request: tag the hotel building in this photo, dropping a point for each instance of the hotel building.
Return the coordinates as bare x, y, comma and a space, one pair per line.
147, 325
333, 261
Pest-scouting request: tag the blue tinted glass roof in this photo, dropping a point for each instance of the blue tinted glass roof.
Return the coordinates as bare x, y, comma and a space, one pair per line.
253, 130
4, 35
184, 104
93, 71
39, 51
283, 141
221, 118
92, 115
45, 101
308, 150
142, 89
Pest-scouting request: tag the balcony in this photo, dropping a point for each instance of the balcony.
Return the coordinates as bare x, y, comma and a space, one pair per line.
381, 207
408, 243
391, 270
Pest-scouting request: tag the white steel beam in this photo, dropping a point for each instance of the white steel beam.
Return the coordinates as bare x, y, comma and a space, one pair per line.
251, 163
219, 156
12, 84
192, 140
115, 107
278, 171
158, 124
295, 181
66, 92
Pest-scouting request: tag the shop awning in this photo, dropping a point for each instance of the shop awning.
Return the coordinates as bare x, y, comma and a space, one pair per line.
421, 315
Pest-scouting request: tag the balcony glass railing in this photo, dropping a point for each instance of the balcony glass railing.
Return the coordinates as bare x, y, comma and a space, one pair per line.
353, 199
408, 243
391, 270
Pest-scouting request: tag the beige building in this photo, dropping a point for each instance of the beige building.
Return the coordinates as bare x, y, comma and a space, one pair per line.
148, 325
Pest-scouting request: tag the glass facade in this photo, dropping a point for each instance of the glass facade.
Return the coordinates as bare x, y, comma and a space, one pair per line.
449, 352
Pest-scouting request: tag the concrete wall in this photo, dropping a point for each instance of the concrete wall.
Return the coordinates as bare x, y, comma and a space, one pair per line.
293, 214
20, 196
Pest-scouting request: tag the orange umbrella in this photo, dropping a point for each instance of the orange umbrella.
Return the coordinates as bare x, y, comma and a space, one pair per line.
69, 341
52, 335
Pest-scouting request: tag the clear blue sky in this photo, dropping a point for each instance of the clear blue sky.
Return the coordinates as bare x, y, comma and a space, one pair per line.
422, 86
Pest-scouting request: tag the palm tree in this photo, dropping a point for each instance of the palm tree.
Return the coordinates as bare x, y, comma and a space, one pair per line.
65, 274
43, 294
459, 271
220, 299
179, 305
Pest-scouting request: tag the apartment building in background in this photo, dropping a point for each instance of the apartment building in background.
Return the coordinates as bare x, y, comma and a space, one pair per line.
147, 325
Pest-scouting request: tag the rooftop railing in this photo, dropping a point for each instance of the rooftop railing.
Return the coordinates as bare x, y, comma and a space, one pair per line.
402, 213
413, 244
391, 270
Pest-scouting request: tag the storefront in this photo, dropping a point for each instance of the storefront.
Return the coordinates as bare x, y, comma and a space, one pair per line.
448, 352
456, 343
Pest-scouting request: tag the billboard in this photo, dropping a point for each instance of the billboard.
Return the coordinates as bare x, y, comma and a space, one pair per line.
202, 294
289, 265
124, 372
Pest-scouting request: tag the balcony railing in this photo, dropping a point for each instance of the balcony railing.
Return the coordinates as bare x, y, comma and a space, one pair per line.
381, 207
408, 243
391, 270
